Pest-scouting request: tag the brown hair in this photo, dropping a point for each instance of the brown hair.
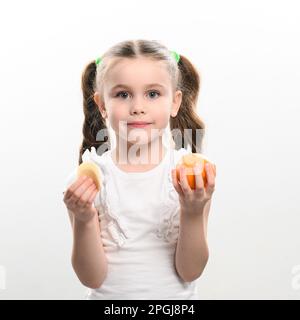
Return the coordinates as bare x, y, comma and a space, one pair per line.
184, 77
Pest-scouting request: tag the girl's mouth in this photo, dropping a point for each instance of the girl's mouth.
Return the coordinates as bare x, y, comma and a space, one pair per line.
138, 124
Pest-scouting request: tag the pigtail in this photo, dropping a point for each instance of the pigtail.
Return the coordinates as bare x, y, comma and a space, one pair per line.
187, 117
93, 120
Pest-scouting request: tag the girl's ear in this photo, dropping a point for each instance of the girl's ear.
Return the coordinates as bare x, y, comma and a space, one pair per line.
100, 104
176, 103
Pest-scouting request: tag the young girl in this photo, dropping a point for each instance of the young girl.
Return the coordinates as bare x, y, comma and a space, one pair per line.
143, 235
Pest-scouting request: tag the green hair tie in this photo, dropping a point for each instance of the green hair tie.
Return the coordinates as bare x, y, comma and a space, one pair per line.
176, 56
98, 61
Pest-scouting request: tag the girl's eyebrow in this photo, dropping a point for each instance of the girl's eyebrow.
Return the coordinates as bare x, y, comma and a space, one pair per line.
128, 87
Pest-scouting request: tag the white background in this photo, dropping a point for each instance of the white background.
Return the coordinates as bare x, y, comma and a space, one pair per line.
247, 53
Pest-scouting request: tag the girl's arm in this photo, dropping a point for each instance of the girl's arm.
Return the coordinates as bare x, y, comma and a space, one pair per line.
192, 252
88, 257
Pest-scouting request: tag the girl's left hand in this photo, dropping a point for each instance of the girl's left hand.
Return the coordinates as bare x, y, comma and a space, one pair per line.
194, 200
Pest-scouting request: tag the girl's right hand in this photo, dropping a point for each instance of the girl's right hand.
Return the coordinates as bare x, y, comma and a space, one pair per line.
79, 198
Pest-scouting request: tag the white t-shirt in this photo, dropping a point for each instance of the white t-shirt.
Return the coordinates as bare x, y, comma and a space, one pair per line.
139, 220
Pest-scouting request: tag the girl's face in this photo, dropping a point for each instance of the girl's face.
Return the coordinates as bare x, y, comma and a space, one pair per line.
138, 90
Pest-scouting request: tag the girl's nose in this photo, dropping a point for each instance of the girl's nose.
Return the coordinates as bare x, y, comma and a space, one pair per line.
138, 106
137, 110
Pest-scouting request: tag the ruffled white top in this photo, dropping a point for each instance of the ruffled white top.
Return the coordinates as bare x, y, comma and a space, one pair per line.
139, 220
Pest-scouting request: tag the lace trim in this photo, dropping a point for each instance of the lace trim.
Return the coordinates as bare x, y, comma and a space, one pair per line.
116, 225
169, 218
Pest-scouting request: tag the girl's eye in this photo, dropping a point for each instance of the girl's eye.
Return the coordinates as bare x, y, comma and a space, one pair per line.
155, 92
120, 93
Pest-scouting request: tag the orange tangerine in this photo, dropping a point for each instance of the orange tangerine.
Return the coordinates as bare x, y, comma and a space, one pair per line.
189, 161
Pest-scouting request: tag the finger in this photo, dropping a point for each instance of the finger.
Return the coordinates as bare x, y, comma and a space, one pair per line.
199, 183
92, 197
81, 189
210, 178
69, 192
183, 181
215, 169
175, 182
86, 195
